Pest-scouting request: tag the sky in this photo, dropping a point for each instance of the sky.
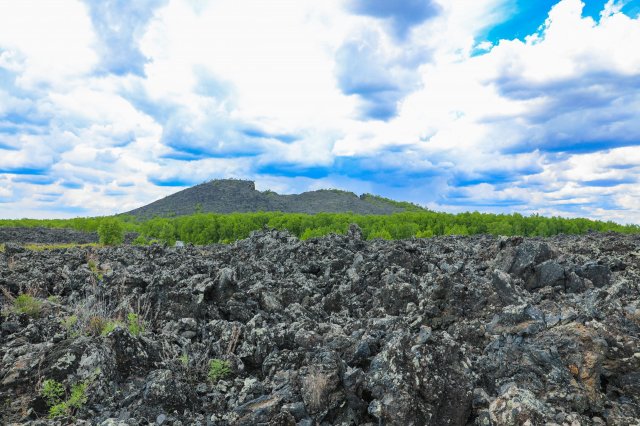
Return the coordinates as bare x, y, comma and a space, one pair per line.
457, 105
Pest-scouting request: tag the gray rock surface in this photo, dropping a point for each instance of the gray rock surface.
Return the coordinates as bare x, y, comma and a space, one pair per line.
331, 331
52, 236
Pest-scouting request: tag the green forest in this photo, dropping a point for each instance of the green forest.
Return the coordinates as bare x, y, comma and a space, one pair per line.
208, 228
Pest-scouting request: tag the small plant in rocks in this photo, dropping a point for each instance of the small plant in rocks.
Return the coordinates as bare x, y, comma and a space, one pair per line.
108, 327
55, 395
93, 267
184, 360
218, 369
136, 324
27, 304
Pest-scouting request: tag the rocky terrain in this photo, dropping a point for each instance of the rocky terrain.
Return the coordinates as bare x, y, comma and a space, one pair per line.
41, 235
332, 331
232, 196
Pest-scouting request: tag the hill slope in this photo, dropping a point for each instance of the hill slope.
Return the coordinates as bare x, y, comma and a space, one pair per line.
231, 196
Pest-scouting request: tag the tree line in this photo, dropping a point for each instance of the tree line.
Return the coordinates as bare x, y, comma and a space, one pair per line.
208, 228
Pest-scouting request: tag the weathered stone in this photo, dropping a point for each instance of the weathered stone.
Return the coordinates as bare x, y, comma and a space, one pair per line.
334, 330
600, 275
548, 274
504, 287
162, 389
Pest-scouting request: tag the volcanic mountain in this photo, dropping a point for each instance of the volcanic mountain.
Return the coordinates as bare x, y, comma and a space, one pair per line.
230, 196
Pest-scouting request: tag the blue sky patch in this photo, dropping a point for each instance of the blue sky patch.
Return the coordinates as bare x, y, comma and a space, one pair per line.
607, 183
114, 193
495, 177
24, 170
72, 185
35, 179
171, 181
260, 134
467, 202
294, 170
525, 17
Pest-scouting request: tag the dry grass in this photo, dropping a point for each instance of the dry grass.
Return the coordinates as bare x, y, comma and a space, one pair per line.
7, 294
90, 316
316, 386
233, 342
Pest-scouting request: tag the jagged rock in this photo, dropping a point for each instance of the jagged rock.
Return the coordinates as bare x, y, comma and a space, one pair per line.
519, 406
335, 330
600, 275
504, 287
548, 274
12, 248
164, 389
529, 254
17, 236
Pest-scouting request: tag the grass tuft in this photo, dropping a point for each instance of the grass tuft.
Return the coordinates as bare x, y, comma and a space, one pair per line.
218, 369
27, 304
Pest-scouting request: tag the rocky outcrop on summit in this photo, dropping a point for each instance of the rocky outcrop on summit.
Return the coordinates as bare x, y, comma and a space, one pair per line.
331, 331
241, 196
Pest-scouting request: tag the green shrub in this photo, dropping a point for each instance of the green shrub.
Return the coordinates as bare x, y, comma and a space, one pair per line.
184, 360
108, 327
136, 324
380, 233
54, 392
78, 395
54, 299
93, 267
425, 233
140, 240
27, 304
58, 410
218, 369
111, 232
69, 322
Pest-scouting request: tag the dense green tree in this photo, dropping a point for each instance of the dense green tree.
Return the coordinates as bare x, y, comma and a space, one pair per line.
111, 231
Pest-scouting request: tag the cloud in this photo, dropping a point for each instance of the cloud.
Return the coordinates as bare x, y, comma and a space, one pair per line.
379, 78
23, 170
261, 134
175, 173
607, 183
290, 170
580, 84
211, 136
35, 179
47, 42
402, 15
120, 25
106, 106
